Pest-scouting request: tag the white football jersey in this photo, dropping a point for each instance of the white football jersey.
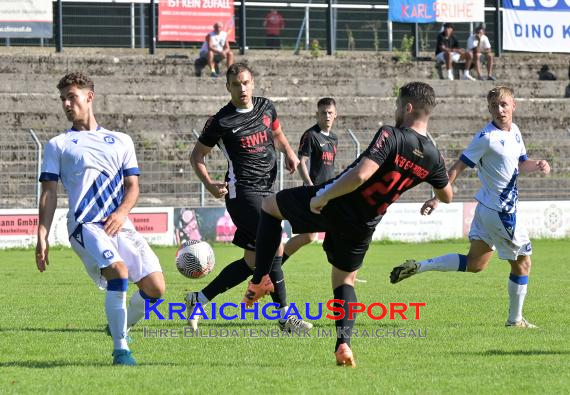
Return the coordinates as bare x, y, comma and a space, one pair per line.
497, 153
91, 165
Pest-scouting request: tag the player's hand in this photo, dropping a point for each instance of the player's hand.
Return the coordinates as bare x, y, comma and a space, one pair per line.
42, 251
543, 166
317, 204
291, 163
429, 206
218, 189
114, 222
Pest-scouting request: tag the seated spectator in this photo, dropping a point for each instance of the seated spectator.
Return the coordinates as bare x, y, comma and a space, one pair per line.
447, 51
216, 48
545, 74
479, 47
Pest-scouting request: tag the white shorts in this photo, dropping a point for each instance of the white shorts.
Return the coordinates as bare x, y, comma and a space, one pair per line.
500, 231
97, 250
455, 57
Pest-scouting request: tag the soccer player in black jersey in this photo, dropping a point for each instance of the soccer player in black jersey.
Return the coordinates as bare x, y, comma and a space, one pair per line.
317, 151
349, 206
248, 132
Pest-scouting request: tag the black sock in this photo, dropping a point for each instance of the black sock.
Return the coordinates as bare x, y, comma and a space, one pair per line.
266, 244
233, 274
285, 257
344, 326
276, 274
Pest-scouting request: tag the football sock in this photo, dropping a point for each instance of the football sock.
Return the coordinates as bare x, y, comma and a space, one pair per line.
285, 257
344, 325
136, 307
279, 295
444, 263
116, 310
517, 291
282, 313
266, 244
233, 274
202, 298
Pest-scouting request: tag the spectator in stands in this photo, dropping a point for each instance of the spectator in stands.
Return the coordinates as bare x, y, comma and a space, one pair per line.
216, 48
273, 23
447, 51
479, 47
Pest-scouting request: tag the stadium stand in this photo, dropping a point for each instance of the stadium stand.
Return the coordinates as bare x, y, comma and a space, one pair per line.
162, 105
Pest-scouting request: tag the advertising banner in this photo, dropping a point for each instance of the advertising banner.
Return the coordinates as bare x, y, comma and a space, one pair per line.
27, 19
430, 11
191, 20
536, 25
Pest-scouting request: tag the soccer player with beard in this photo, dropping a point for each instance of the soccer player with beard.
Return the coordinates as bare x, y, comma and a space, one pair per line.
349, 206
248, 132
499, 153
99, 171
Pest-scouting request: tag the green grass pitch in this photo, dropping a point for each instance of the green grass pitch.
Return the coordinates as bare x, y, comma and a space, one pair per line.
52, 339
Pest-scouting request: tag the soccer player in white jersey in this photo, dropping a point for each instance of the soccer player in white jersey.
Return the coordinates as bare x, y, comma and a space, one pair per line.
99, 171
499, 153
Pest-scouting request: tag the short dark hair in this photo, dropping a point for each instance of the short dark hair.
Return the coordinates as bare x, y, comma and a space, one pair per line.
448, 24
420, 95
78, 79
479, 28
325, 102
237, 68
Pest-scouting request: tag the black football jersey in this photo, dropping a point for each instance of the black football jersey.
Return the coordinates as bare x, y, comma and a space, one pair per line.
321, 151
406, 158
246, 139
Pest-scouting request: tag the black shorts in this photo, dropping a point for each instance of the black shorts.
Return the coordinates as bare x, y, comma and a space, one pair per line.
344, 245
245, 209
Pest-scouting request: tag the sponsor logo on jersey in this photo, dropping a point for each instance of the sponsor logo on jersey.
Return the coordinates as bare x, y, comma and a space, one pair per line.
502, 142
74, 140
108, 254
109, 139
235, 130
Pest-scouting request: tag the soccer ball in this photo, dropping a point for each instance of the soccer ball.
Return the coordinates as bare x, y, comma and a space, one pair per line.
195, 259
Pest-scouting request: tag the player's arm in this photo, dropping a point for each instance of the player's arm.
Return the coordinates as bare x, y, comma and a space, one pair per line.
347, 183
114, 222
197, 159
446, 194
304, 171
47, 206
532, 165
282, 145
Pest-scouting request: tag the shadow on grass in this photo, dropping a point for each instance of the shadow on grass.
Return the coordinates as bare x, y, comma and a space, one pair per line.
489, 353
47, 330
525, 352
59, 364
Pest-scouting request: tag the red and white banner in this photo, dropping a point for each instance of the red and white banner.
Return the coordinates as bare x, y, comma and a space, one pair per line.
191, 20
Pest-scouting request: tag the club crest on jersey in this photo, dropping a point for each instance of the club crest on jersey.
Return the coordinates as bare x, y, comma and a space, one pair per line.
108, 254
266, 121
502, 142
74, 140
109, 139
518, 138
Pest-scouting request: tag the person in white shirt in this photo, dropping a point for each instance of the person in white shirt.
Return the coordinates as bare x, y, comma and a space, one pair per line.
216, 48
99, 171
499, 153
480, 48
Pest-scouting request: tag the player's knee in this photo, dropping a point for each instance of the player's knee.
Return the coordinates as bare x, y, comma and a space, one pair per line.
115, 270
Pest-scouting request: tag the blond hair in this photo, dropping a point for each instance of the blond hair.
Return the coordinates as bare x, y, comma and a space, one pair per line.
500, 92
